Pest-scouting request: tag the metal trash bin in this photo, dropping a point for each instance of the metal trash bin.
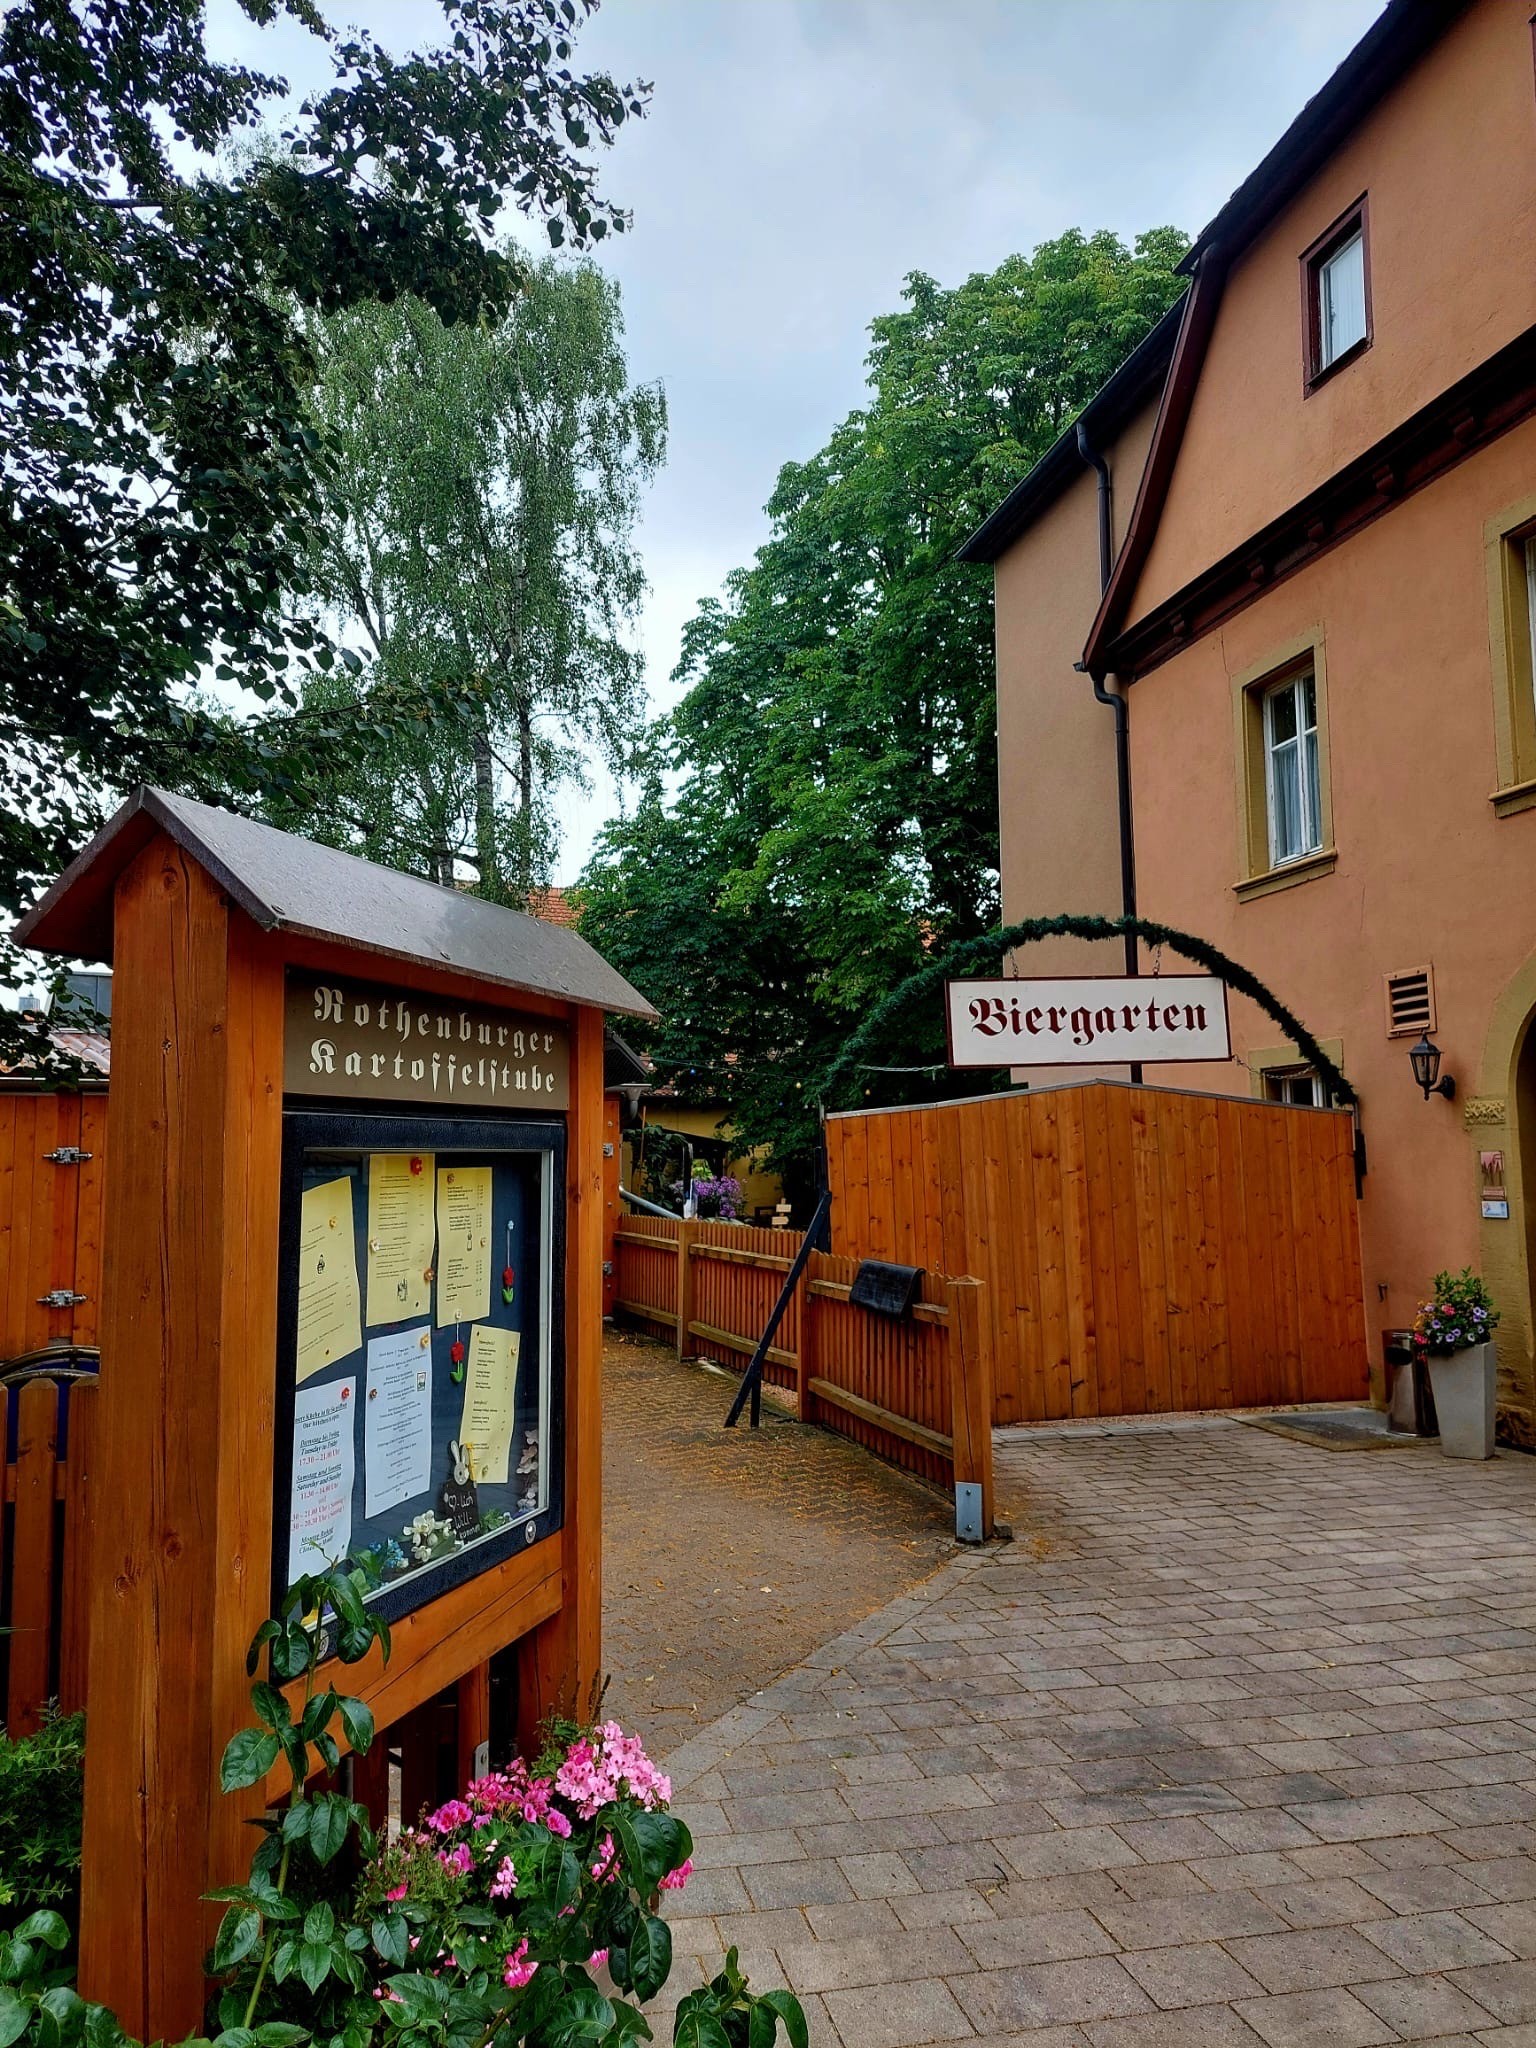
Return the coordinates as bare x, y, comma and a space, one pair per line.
1410, 1398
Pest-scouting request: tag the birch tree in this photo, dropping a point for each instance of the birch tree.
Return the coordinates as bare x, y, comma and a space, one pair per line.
478, 555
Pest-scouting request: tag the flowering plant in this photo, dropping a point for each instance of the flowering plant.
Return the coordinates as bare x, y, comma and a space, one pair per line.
484, 1926
1458, 1315
717, 1195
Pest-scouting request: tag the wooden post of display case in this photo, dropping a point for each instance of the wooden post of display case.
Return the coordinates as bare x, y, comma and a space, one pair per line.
208, 920
181, 1514
559, 1664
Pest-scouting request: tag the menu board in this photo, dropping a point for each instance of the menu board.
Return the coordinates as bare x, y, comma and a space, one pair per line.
417, 1382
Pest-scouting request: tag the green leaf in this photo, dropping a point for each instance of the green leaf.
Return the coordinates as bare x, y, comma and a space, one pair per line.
239, 1932
15, 2016
330, 1824
357, 1720
264, 1635
317, 1714
391, 1938
423, 2000
762, 2027
314, 1963
247, 1758
698, 2029
790, 2011
48, 1927
649, 1958
269, 1705
235, 2037
296, 1820
279, 2034
319, 1923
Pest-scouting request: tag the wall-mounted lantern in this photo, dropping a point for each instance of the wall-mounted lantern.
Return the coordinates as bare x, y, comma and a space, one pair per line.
1425, 1058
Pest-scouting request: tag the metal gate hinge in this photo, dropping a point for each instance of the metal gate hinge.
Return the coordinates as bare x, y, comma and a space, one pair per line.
607, 1151
61, 1297
67, 1155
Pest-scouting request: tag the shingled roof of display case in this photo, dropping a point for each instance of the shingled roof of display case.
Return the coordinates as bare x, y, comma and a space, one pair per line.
287, 884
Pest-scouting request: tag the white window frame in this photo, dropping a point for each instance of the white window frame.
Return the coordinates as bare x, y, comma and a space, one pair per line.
1308, 790
1327, 355
1278, 1076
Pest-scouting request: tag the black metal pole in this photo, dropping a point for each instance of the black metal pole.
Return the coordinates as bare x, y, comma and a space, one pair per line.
752, 1379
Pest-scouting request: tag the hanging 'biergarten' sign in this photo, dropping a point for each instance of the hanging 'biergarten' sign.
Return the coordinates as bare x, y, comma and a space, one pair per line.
1087, 1020
398, 1045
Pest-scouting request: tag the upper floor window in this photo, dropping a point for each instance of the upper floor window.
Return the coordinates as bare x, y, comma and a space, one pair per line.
1292, 783
1336, 273
1302, 1087
1510, 537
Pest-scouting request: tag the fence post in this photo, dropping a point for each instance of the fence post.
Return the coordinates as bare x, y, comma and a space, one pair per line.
37, 1438
807, 1364
970, 1382
687, 1231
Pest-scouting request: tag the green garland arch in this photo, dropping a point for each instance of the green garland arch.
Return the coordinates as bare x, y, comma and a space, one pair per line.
980, 956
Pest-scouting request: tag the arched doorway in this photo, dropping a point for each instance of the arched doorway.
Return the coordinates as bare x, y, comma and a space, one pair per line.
1501, 1119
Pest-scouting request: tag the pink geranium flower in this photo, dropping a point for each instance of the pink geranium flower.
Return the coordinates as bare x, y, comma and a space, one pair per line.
519, 1971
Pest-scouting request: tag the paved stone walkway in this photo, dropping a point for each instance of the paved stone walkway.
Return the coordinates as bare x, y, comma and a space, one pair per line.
1236, 1745
729, 1555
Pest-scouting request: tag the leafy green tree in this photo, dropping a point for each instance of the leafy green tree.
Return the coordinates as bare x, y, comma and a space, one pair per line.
478, 546
163, 474
822, 809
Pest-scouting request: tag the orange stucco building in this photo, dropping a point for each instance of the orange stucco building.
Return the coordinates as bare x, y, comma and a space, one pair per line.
1317, 605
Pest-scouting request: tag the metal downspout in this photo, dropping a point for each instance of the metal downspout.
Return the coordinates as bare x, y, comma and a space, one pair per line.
1116, 700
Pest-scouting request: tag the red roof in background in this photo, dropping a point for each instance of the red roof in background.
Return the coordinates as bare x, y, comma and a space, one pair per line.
92, 1048
555, 906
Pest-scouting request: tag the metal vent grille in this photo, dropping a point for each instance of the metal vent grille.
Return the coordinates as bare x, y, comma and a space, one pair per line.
1410, 1002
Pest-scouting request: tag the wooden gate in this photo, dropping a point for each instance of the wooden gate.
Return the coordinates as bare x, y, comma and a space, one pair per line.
1144, 1249
50, 1219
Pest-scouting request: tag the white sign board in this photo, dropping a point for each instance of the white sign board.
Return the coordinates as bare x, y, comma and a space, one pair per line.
1087, 1020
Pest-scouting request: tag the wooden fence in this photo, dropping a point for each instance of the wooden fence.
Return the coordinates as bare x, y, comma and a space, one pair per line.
44, 1545
916, 1391
1143, 1249
50, 1219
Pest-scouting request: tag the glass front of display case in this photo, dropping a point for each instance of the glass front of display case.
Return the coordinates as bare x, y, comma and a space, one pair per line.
420, 1356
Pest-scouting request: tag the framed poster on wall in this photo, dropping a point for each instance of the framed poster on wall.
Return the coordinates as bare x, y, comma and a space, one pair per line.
420, 1367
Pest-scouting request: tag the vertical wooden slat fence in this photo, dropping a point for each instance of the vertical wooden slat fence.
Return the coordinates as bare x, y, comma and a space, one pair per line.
916, 1392
1143, 1249
44, 1545
50, 1219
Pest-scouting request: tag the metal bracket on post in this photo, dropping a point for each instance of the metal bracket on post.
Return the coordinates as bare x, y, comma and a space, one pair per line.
968, 1517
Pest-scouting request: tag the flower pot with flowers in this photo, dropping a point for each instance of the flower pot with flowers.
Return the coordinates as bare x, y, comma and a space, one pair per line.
1454, 1332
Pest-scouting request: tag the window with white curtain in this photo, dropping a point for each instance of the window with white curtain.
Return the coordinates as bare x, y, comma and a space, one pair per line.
1341, 300
1336, 274
1292, 789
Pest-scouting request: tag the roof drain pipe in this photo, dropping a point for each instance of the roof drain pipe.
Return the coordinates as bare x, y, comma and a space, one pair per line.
1117, 703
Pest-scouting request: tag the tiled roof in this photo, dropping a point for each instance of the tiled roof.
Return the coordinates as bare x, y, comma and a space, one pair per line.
555, 906
92, 1048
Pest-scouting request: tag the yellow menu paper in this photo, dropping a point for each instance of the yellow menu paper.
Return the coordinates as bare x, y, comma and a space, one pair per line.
490, 1392
328, 1308
463, 1244
401, 1234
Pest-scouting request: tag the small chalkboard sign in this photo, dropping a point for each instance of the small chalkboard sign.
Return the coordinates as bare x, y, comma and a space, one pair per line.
458, 1498
886, 1290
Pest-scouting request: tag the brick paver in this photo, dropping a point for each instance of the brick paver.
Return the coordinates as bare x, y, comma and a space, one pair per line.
1236, 1745
728, 1555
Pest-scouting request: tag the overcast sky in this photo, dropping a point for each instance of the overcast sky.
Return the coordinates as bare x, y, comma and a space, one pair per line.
802, 156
